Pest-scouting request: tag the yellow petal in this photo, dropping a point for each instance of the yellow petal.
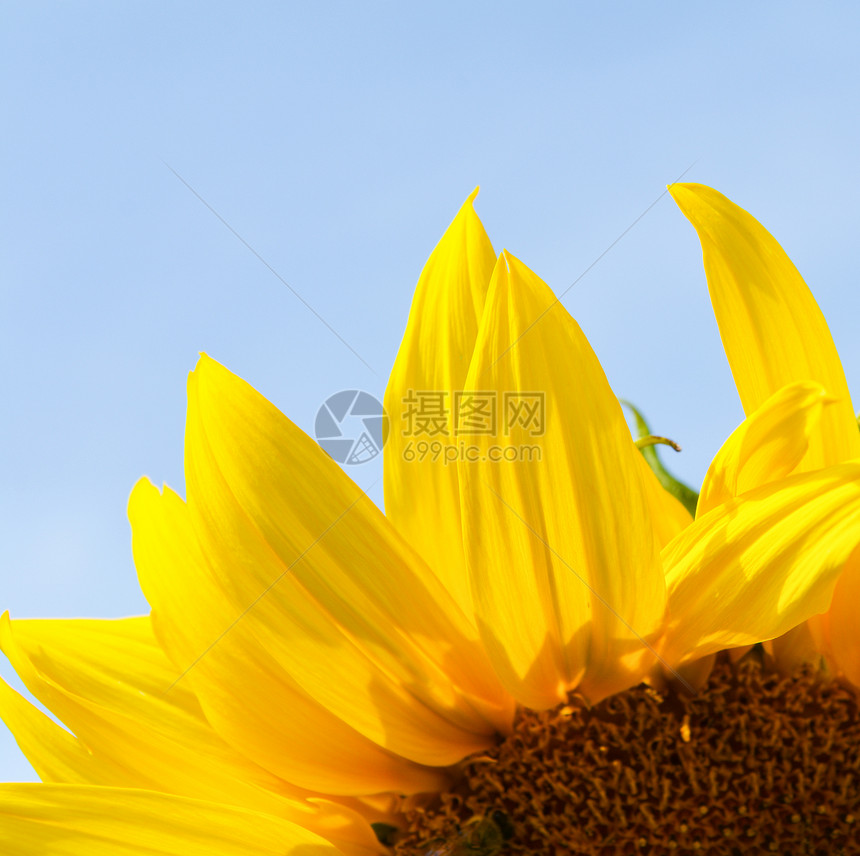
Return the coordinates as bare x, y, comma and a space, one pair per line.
356, 617
769, 444
772, 329
794, 648
106, 681
56, 755
245, 694
842, 639
75, 820
98, 658
341, 607
689, 677
422, 497
757, 566
566, 573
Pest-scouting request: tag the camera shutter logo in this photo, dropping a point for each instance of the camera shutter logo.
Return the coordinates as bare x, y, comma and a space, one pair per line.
351, 426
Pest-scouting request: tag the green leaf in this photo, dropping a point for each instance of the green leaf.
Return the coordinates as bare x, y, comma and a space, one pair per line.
647, 443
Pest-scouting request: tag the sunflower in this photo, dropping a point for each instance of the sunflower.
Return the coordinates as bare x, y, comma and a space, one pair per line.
503, 660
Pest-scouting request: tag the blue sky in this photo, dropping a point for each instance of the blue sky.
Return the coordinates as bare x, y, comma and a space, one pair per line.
339, 140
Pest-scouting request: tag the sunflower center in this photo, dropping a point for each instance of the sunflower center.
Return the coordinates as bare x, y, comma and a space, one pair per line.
754, 763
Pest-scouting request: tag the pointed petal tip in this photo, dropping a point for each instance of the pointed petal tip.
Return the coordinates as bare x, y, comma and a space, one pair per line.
679, 190
204, 361
202, 357
697, 200
208, 372
5, 631
473, 195
143, 485
144, 493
